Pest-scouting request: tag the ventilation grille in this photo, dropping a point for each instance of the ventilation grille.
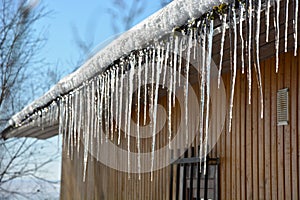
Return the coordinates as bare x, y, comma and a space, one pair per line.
282, 107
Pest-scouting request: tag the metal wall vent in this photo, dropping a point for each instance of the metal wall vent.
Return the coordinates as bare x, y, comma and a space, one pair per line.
283, 107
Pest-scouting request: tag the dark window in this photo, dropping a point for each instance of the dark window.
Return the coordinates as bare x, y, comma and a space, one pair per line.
187, 182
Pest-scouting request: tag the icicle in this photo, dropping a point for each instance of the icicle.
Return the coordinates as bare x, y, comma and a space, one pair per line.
131, 79
100, 107
112, 90
126, 103
155, 102
286, 25
165, 59
117, 98
170, 108
296, 27
175, 67
249, 52
89, 116
186, 88
224, 18
145, 85
85, 154
277, 34
202, 92
180, 58
80, 119
233, 79
71, 122
241, 36
93, 132
152, 79
257, 58
106, 107
268, 19
121, 105
75, 106
207, 95
139, 79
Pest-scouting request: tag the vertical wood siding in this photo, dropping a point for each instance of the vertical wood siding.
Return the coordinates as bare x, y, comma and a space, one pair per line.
258, 159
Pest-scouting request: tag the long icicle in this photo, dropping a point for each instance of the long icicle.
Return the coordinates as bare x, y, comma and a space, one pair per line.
202, 93
186, 88
233, 79
249, 75
286, 25
277, 34
145, 85
207, 95
224, 18
155, 102
121, 105
257, 59
100, 115
170, 108
241, 36
131, 79
268, 19
296, 27
175, 67
138, 113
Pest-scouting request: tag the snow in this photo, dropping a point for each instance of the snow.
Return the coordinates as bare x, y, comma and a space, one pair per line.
153, 28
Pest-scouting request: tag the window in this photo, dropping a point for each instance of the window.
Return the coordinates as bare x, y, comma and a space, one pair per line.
187, 182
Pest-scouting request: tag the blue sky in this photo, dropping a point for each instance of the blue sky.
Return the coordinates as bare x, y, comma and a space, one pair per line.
91, 19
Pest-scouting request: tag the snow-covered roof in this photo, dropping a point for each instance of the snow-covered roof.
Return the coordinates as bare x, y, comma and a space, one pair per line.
177, 13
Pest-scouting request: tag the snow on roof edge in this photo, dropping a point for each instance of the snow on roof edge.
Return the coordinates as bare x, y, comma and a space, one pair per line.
153, 27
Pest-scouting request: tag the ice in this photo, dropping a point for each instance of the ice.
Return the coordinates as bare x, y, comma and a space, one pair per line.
121, 104
186, 87
139, 79
268, 5
286, 25
128, 114
145, 86
241, 36
233, 78
249, 73
170, 108
296, 27
277, 34
224, 18
100, 114
202, 91
165, 60
111, 107
257, 59
180, 58
154, 116
207, 95
175, 67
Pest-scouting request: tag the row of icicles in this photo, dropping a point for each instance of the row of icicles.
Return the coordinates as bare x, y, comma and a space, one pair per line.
98, 109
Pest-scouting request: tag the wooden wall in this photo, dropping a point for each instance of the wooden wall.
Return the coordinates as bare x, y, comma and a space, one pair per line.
258, 159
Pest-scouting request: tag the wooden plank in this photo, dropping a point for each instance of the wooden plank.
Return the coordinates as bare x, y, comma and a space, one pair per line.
254, 125
280, 139
261, 141
243, 135
267, 126
287, 131
293, 123
237, 138
249, 188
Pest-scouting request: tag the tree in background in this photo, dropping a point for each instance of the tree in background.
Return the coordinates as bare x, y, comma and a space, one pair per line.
19, 47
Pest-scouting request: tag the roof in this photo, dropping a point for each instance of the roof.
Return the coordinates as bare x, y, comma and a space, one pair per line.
151, 29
